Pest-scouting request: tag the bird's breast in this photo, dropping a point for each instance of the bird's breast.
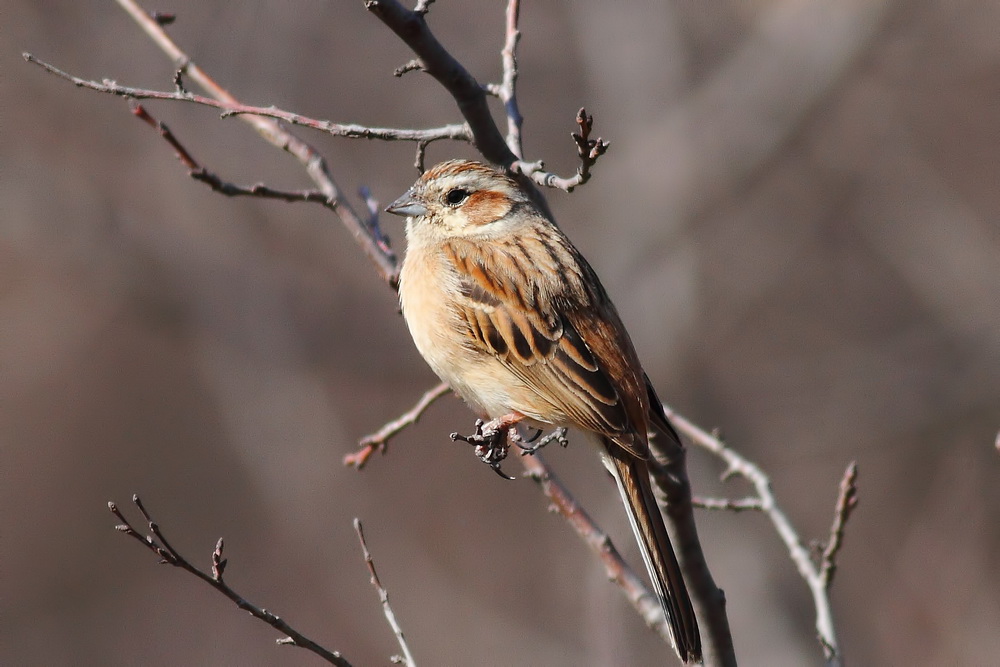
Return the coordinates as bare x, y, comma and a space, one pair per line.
428, 288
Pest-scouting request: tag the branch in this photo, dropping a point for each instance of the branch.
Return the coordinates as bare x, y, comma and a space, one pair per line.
434, 59
379, 440
668, 468
727, 504
846, 502
214, 181
315, 165
159, 545
817, 577
506, 91
383, 597
232, 108
588, 150
618, 571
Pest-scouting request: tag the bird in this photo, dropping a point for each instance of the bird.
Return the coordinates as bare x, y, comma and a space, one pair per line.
505, 309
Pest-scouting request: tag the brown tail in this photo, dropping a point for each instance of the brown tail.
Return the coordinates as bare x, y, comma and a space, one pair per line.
661, 563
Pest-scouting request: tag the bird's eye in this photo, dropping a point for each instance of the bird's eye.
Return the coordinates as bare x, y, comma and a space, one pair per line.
456, 196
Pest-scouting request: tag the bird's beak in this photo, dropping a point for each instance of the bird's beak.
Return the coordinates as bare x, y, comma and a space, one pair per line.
407, 205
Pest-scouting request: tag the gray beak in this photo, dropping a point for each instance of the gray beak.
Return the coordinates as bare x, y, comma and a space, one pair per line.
407, 205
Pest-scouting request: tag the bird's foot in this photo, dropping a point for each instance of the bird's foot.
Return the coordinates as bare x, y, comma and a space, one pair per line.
490, 441
527, 448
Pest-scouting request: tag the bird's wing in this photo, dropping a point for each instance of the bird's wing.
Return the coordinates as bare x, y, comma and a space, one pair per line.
537, 307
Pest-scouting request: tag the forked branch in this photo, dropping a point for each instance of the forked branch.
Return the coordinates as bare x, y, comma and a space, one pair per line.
817, 575
158, 544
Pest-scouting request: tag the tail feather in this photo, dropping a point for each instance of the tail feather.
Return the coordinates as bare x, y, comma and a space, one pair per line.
636, 490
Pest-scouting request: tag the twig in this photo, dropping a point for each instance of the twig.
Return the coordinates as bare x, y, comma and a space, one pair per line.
846, 502
158, 544
458, 132
214, 181
379, 440
618, 571
470, 96
588, 150
383, 597
728, 504
423, 7
507, 89
269, 128
373, 224
411, 27
819, 583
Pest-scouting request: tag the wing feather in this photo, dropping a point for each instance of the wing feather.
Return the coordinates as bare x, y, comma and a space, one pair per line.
537, 325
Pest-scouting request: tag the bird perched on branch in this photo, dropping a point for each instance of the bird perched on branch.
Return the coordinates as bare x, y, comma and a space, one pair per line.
505, 309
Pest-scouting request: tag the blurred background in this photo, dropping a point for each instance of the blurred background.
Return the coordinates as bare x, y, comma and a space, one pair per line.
796, 219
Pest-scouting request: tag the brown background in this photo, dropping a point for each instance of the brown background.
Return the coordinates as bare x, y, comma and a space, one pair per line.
797, 219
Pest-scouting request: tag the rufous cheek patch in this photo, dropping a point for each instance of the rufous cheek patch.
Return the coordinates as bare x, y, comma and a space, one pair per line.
486, 206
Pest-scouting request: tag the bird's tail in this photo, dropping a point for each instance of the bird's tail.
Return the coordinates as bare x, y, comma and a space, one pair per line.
632, 476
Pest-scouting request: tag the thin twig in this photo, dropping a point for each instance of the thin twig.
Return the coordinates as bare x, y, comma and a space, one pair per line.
268, 128
507, 90
379, 440
383, 597
728, 504
846, 502
411, 27
737, 464
213, 180
423, 7
587, 149
618, 571
470, 96
158, 544
457, 132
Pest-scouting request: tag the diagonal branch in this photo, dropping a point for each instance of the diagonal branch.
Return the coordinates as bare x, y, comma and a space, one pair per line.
379, 440
470, 96
158, 544
383, 597
315, 165
619, 572
213, 180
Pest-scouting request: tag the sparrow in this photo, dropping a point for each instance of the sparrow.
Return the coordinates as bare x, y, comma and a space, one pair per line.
505, 309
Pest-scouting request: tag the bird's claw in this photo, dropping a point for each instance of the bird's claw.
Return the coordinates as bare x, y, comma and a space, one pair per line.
557, 435
491, 445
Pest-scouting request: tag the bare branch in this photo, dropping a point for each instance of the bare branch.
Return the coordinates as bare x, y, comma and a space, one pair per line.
411, 27
410, 66
618, 571
668, 468
737, 464
383, 597
268, 128
458, 132
214, 181
507, 90
588, 149
846, 502
423, 7
158, 544
379, 440
728, 504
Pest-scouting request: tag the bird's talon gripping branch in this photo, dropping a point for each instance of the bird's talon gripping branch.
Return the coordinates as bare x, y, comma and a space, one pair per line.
492, 440
558, 435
